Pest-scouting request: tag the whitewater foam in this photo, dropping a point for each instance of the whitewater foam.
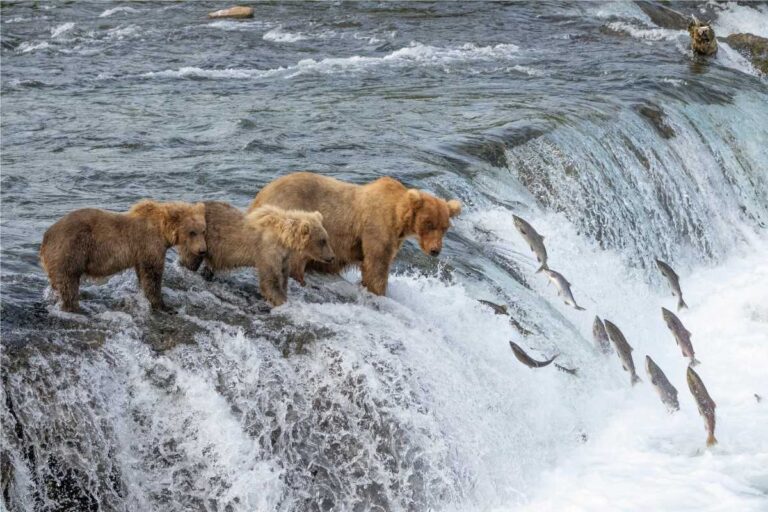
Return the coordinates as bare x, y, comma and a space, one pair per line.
28, 46
116, 10
648, 34
278, 35
415, 54
737, 18
61, 29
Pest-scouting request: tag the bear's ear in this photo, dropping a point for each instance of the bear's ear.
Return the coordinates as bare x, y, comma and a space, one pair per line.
415, 197
171, 223
454, 207
305, 228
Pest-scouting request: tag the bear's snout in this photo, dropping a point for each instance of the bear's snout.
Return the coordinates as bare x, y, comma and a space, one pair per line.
434, 252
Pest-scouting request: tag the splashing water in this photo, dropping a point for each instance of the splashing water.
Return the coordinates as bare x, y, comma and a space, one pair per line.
619, 153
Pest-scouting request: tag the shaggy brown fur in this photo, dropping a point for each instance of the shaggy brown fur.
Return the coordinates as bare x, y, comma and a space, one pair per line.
367, 224
263, 239
703, 40
99, 243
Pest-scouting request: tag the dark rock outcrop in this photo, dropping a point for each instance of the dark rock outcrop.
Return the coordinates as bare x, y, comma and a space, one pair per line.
753, 47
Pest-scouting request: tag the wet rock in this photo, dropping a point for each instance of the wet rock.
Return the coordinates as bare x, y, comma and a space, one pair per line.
754, 48
656, 116
703, 40
490, 151
664, 16
238, 11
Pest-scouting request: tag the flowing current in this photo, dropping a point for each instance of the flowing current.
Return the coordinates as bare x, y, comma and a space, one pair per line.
588, 120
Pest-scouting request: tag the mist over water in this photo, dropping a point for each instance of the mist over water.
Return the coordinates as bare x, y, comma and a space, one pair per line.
595, 125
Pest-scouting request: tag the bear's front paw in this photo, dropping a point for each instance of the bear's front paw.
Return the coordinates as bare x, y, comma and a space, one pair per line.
207, 274
164, 308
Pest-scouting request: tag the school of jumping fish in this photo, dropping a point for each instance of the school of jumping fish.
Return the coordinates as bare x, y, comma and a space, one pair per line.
606, 333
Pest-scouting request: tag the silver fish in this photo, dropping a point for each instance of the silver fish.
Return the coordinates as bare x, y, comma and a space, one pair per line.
704, 402
563, 288
526, 359
601, 337
570, 371
534, 239
674, 283
623, 349
681, 334
499, 309
666, 390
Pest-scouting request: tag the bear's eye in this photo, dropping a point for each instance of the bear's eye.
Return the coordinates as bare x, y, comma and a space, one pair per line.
192, 233
323, 242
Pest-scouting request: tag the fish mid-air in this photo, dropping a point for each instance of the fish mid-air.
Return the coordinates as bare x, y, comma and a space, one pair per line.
705, 404
601, 337
623, 349
534, 239
681, 334
666, 390
563, 288
526, 359
674, 283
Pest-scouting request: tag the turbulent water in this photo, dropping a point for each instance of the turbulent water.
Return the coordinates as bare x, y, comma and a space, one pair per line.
596, 125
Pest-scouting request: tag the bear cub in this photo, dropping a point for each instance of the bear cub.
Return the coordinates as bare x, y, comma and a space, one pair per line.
264, 239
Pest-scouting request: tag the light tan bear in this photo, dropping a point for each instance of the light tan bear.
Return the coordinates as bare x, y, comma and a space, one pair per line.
99, 243
367, 224
264, 239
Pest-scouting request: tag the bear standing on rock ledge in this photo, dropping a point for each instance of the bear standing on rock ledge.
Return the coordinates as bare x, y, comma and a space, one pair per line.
703, 40
366, 224
98, 243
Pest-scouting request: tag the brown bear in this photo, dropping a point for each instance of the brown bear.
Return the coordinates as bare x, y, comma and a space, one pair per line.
263, 239
703, 40
98, 243
367, 224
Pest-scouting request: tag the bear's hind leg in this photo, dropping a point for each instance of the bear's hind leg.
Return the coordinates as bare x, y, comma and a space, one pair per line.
68, 288
151, 279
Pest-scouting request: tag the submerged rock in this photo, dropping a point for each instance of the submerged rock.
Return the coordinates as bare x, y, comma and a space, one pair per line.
238, 11
657, 118
753, 47
491, 151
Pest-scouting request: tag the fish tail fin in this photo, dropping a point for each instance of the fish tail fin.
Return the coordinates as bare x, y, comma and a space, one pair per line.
542, 267
711, 441
681, 304
694, 362
579, 308
635, 379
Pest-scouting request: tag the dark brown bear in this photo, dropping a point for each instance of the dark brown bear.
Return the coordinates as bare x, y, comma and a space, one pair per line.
98, 243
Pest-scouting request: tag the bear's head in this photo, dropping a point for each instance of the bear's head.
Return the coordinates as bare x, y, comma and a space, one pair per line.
182, 225
298, 230
427, 217
313, 238
186, 226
